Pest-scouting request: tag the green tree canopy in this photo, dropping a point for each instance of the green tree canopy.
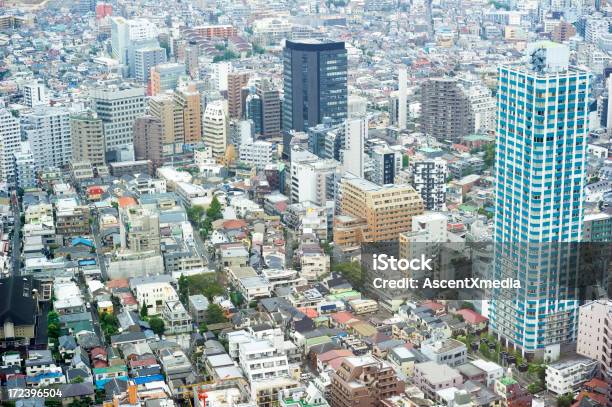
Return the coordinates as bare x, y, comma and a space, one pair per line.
157, 325
214, 314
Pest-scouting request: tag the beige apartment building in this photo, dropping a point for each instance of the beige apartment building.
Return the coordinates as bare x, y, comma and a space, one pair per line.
235, 82
148, 143
188, 102
87, 133
386, 210
166, 110
139, 229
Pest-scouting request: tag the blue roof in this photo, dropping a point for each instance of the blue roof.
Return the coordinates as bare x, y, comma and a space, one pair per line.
81, 240
148, 379
87, 262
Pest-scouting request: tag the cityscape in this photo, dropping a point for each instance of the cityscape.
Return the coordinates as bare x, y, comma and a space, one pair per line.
305, 203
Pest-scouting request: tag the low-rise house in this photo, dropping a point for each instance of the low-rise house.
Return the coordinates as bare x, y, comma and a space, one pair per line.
67, 346
431, 377
447, 351
404, 358
38, 362
77, 392
198, 304
177, 319
102, 375
474, 321
493, 370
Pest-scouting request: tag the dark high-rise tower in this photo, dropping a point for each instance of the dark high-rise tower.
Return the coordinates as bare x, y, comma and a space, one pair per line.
315, 76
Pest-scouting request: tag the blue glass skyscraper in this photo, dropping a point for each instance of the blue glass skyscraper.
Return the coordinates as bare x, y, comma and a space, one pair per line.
542, 124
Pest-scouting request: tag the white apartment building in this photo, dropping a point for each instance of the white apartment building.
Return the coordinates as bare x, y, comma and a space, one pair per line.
259, 153
594, 335
428, 177
270, 31
387, 164
10, 137
355, 134
153, 291
261, 361
35, 94
124, 32
567, 376
312, 178
177, 319
215, 128
48, 132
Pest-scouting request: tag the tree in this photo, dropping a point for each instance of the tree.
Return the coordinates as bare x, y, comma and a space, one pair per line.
467, 305
534, 388
489, 156
53, 325
351, 271
405, 161
214, 315
77, 379
195, 213
565, 400
157, 325
144, 311
203, 327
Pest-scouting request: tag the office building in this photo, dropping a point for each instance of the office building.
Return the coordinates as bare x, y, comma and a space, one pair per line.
363, 381
539, 194
387, 210
215, 128
402, 98
10, 138
48, 131
387, 164
165, 77
189, 103
270, 108
148, 143
315, 85
145, 59
253, 112
236, 81
428, 177
87, 132
124, 32
118, 107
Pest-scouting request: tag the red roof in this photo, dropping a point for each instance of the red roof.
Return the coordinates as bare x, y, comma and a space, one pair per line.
342, 317
118, 283
126, 201
309, 312
234, 224
143, 362
95, 190
335, 363
333, 354
432, 305
471, 317
99, 363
